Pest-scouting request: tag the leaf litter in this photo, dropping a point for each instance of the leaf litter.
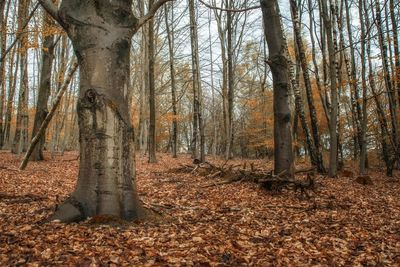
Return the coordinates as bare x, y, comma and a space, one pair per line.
343, 223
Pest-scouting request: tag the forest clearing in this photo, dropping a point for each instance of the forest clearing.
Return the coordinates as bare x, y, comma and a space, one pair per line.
343, 223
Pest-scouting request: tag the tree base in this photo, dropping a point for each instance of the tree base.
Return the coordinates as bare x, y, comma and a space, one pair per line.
73, 210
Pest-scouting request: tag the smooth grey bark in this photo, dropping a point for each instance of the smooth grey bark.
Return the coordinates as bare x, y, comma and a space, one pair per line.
44, 86
101, 35
151, 88
197, 143
170, 35
231, 80
278, 62
222, 32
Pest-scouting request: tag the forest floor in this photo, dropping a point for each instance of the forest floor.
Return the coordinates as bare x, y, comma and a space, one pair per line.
238, 224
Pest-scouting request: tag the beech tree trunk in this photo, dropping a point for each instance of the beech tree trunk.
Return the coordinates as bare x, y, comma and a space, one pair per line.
197, 144
170, 35
44, 87
106, 180
152, 95
278, 62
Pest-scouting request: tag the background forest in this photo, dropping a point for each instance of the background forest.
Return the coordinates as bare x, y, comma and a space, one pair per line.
232, 89
206, 132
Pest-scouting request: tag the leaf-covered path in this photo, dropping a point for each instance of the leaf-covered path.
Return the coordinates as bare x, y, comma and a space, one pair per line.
236, 224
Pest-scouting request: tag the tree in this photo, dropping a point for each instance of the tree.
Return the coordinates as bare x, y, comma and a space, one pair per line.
151, 88
44, 85
279, 64
197, 144
170, 36
20, 141
101, 33
329, 25
316, 147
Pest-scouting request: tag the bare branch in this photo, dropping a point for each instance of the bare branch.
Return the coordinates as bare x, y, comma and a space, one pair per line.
19, 34
228, 9
51, 8
150, 14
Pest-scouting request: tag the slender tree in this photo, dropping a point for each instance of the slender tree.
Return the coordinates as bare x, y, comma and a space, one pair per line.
278, 61
170, 35
44, 84
152, 89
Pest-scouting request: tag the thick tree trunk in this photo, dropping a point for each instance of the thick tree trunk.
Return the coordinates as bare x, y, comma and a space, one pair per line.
44, 87
106, 180
278, 62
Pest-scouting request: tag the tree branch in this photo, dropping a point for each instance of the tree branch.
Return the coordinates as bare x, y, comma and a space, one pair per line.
150, 14
228, 9
52, 9
19, 34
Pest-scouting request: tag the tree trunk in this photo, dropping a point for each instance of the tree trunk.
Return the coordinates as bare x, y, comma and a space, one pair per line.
152, 95
44, 86
106, 180
214, 112
231, 82
197, 144
170, 35
387, 77
11, 94
363, 152
3, 41
278, 62
307, 83
329, 25
20, 141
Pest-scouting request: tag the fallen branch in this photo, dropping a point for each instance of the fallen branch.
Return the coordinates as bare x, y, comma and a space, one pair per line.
48, 118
